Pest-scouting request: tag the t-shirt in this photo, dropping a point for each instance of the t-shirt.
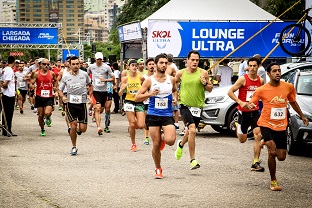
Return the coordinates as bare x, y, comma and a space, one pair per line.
76, 86
8, 75
20, 82
161, 104
274, 112
117, 76
241, 68
226, 74
262, 73
192, 92
97, 72
33, 68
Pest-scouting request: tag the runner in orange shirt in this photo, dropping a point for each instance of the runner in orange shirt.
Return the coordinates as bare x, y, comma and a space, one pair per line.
273, 121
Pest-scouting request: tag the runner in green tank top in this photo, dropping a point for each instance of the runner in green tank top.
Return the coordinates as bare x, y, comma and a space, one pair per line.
194, 83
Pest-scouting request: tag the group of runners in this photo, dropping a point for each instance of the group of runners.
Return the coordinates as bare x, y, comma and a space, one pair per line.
152, 97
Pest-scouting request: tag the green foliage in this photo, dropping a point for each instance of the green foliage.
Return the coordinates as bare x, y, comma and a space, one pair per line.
277, 7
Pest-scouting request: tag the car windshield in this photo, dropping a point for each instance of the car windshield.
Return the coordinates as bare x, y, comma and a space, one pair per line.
304, 86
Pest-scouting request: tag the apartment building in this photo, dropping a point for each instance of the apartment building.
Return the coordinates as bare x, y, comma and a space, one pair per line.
68, 12
7, 11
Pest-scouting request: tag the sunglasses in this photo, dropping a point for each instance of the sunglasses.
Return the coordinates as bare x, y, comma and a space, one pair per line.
75, 64
45, 64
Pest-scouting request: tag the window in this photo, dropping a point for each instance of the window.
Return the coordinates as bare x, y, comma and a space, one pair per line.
37, 19
37, 1
70, 15
70, 24
37, 15
70, 20
70, 6
70, 29
70, 11
37, 10
37, 6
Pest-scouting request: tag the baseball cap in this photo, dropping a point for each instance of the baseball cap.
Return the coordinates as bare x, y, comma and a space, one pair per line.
140, 60
99, 55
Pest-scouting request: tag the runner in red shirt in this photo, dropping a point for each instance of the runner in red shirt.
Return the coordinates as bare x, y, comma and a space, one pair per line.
56, 69
45, 85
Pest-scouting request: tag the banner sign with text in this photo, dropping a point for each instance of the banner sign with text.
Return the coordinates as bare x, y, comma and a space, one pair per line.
28, 36
67, 53
130, 32
214, 39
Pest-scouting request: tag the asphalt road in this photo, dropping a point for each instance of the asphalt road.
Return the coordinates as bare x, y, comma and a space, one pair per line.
39, 171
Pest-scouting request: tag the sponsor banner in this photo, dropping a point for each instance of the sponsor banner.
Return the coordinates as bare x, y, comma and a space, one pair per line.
16, 54
28, 36
54, 11
130, 32
67, 53
214, 39
308, 4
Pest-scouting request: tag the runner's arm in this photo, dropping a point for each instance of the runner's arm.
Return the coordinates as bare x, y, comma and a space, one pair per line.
143, 93
231, 93
123, 86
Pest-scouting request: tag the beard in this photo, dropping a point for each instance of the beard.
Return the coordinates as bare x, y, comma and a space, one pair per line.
161, 71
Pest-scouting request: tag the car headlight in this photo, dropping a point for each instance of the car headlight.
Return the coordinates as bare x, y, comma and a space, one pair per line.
216, 99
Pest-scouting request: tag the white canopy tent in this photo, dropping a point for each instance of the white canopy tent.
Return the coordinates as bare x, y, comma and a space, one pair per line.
209, 10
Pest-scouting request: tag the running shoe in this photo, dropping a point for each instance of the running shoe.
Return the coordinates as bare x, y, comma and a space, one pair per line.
79, 132
162, 145
194, 164
43, 133
63, 113
32, 107
182, 132
21, 111
49, 121
158, 174
35, 110
74, 151
176, 127
106, 130
146, 141
179, 151
257, 167
274, 186
93, 120
100, 131
60, 108
90, 112
134, 148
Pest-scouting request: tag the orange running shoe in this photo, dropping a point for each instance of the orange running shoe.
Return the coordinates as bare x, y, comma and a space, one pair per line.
158, 174
134, 148
274, 186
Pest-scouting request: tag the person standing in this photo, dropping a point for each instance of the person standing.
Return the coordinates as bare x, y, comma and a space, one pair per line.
141, 67
194, 83
134, 110
77, 83
100, 72
273, 120
159, 89
8, 96
45, 84
225, 74
246, 86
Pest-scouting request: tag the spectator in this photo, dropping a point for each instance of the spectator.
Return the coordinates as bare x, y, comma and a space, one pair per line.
225, 74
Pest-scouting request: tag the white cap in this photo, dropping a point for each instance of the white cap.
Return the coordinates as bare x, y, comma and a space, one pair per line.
99, 55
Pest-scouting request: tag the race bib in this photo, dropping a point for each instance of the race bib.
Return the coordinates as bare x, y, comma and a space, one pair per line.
45, 93
129, 107
98, 82
278, 113
76, 99
195, 111
249, 95
21, 84
161, 103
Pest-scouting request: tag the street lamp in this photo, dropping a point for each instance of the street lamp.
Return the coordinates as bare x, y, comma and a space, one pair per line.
78, 33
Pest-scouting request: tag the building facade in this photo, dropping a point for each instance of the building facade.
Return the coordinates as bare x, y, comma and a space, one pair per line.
8, 11
68, 12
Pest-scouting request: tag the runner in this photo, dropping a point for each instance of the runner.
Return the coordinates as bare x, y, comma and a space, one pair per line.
77, 83
159, 89
150, 64
273, 120
22, 85
57, 69
45, 84
247, 84
108, 105
100, 72
134, 111
194, 83
141, 67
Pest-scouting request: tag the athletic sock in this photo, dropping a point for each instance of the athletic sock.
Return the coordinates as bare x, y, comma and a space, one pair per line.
180, 145
256, 160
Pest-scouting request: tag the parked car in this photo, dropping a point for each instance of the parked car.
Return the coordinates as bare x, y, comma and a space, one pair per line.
297, 132
220, 110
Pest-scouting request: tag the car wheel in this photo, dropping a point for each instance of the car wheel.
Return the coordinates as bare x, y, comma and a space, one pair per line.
219, 129
231, 119
292, 145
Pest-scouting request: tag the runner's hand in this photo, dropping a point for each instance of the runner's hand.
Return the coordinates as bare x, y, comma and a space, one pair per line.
203, 80
305, 120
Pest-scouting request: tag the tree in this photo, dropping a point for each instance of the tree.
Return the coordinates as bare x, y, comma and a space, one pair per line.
277, 7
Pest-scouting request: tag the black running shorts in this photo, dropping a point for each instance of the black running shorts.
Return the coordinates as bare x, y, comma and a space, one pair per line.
279, 137
77, 112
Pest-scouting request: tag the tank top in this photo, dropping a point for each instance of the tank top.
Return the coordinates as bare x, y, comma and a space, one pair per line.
134, 84
161, 104
245, 92
192, 92
44, 85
